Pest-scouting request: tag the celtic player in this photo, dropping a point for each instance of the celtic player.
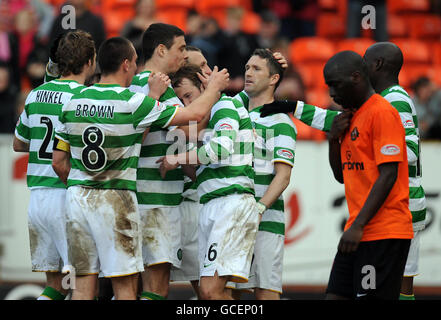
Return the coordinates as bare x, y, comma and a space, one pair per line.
97, 152
225, 183
34, 134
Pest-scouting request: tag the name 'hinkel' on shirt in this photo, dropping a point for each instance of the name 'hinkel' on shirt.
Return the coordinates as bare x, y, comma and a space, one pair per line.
101, 111
45, 96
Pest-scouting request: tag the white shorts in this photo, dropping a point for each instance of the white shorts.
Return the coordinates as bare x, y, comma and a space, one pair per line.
47, 229
189, 269
267, 264
227, 233
411, 268
103, 231
161, 236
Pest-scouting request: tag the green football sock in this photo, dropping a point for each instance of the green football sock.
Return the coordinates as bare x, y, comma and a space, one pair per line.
151, 296
50, 293
407, 296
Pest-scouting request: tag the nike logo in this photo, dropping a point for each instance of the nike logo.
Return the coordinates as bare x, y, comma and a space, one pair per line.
207, 265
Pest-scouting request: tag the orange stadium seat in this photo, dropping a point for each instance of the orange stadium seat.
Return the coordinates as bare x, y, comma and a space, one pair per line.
404, 79
177, 17
426, 26
358, 45
414, 51
400, 6
331, 25
169, 4
397, 26
250, 22
436, 57
116, 13
207, 7
318, 97
312, 74
328, 5
311, 49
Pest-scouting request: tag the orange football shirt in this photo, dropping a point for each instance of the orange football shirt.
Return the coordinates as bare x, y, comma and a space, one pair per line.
376, 136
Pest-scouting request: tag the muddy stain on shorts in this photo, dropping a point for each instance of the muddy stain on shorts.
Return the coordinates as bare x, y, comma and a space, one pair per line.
33, 239
78, 248
123, 205
152, 224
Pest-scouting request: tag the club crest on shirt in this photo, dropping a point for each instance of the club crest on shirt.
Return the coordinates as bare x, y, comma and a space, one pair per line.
354, 134
390, 149
285, 154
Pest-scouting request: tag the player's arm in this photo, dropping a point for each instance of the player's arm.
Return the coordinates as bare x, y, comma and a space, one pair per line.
61, 159
376, 198
339, 126
279, 183
20, 146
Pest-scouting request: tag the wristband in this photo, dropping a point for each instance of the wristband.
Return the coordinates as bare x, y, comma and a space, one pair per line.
260, 207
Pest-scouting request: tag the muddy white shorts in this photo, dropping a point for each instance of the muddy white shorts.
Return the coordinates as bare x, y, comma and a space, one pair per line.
161, 236
103, 231
227, 233
267, 264
189, 269
47, 229
411, 268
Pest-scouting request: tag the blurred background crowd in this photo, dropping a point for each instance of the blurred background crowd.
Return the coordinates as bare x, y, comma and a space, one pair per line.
306, 32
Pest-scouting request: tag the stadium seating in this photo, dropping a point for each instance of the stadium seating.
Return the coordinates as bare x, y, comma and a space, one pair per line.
397, 26
318, 97
426, 26
312, 74
358, 45
402, 6
311, 49
116, 13
331, 25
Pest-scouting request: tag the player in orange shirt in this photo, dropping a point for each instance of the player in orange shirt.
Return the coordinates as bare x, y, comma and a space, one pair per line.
367, 153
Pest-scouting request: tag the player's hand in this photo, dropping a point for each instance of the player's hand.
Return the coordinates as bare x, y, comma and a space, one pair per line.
54, 48
218, 80
278, 106
340, 124
204, 79
281, 60
167, 163
350, 239
158, 84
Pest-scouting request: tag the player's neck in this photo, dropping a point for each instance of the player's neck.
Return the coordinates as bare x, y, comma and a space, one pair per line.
154, 65
384, 84
80, 78
260, 99
113, 79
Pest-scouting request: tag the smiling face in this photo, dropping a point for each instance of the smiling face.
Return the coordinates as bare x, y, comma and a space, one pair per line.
257, 76
187, 92
176, 56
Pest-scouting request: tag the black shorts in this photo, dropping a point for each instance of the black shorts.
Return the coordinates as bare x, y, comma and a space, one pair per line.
374, 271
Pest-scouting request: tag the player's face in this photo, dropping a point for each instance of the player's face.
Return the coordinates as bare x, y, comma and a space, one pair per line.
176, 55
197, 58
132, 67
187, 91
257, 76
341, 88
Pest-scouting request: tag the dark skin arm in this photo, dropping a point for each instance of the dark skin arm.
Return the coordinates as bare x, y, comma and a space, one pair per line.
380, 191
339, 126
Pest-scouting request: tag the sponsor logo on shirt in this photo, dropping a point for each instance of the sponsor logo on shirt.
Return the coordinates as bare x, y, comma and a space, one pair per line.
225, 126
390, 149
408, 124
285, 154
351, 165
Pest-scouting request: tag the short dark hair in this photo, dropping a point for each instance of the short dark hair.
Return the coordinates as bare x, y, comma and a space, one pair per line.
192, 48
188, 71
112, 53
75, 50
420, 82
156, 34
273, 65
